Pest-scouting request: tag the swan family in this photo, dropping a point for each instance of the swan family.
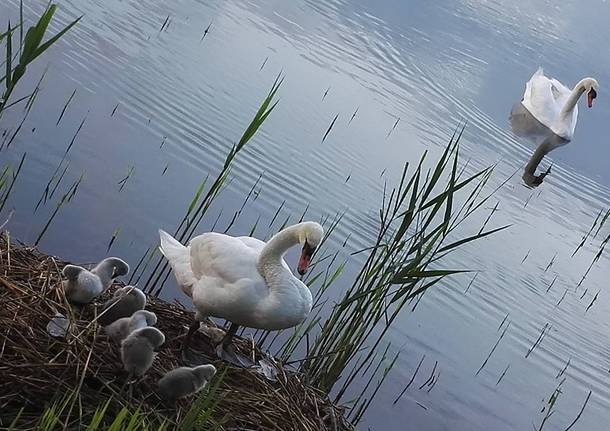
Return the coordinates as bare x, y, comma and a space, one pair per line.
247, 281
241, 279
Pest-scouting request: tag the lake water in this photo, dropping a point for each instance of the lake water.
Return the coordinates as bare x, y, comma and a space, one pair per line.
180, 102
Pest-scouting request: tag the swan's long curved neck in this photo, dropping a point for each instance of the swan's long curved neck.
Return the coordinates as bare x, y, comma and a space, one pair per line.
270, 260
578, 90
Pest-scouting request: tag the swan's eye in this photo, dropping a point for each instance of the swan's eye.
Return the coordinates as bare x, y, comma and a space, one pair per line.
592, 93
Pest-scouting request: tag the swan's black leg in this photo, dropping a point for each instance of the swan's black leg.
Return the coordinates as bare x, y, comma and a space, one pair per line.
189, 335
187, 341
226, 340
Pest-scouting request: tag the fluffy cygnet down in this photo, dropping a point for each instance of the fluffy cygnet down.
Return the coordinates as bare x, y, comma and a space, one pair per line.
83, 286
138, 349
121, 328
125, 301
184, 381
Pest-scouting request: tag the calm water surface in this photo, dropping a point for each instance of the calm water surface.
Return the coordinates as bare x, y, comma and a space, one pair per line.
183, 101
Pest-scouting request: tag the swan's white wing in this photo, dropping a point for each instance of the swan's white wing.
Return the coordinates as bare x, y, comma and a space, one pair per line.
229, 284
528, 84
225, 257
253, 243
560, 92
539, 99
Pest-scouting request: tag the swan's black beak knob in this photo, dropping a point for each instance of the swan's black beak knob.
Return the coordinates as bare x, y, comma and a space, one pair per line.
590, 97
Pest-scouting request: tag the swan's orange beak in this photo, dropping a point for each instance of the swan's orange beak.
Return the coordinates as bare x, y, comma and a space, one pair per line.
305, 259
590, 96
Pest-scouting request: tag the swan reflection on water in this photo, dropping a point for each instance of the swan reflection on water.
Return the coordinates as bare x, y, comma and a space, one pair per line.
524, 124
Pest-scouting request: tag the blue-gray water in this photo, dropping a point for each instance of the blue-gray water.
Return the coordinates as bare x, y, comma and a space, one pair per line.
431, 64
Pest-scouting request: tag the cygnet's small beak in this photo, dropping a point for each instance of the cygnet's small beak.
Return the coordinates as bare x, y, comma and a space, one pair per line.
305, 258
590, 96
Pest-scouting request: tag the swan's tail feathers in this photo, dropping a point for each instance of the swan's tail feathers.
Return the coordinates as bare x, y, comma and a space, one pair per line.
538, 72
179, 258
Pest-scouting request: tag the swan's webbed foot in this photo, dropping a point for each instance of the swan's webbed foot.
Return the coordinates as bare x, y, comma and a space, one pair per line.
226, 350
227, 353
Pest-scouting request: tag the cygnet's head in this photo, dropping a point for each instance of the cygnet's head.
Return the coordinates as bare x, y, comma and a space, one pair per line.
153, 335
133, 293
71, 272
115, 267
148, 316
310, 236
591, 88
204, 373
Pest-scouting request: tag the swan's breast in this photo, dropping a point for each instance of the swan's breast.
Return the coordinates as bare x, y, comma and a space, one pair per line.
250, 302
287, 308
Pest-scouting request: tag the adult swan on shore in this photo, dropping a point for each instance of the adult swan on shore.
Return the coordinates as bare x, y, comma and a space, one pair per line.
554, 104
244, 280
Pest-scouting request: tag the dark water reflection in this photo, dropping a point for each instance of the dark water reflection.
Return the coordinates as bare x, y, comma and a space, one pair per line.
524, 124
182, 102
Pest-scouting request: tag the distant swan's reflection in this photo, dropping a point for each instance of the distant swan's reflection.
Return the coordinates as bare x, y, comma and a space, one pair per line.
525, 125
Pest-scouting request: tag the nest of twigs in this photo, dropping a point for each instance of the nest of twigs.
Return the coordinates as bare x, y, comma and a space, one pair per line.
36, 369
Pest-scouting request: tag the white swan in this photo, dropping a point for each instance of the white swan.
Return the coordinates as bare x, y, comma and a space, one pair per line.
83, 286
555, 105
244, 280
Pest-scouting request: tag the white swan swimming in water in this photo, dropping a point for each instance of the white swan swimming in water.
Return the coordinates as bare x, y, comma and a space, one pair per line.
244, 280
83, 286
555, 105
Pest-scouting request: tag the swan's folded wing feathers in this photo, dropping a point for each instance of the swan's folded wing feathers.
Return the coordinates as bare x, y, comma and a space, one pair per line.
561, 94
223, 256
539, 100
253, 243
